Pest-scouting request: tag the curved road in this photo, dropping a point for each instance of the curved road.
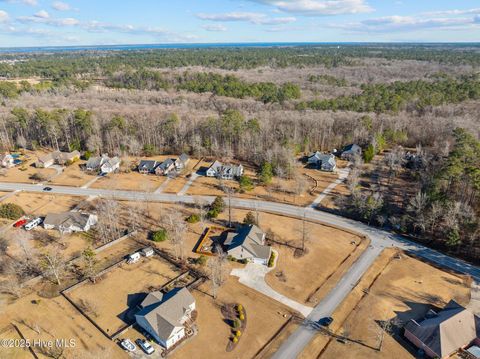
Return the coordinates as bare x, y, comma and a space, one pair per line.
380, 239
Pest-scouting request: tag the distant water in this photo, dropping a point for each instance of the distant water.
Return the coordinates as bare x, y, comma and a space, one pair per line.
209, 45
157, 46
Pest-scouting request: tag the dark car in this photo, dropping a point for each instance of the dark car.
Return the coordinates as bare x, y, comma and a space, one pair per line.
47, 189
326, 321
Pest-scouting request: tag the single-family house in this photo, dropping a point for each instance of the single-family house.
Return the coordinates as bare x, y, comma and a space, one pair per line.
441, 334
66, 157
103, 164
248, 243
182, 161
226, 172
323, 161
69, 222
46, 161
57, 157
350, 151
164, 316
147, 166
110, 165
164, 168
7, 160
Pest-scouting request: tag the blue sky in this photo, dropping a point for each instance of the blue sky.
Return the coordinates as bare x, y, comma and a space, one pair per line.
97, 22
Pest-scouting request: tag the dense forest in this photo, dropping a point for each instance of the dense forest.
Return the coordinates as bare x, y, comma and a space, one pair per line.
270, 106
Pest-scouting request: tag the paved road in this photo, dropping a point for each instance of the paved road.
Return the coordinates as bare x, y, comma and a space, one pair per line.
379, 240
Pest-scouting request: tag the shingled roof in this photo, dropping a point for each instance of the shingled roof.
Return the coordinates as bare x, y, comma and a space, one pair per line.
251, 238
451, 329
164, 312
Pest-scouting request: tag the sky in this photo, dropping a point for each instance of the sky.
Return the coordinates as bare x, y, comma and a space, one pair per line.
112, 22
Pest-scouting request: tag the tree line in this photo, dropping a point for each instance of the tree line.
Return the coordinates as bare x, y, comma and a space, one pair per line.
97, 63
399, 96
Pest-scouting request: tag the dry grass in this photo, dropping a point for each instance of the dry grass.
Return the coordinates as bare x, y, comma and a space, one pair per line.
264, 319
404, 288
120, 289
56, 318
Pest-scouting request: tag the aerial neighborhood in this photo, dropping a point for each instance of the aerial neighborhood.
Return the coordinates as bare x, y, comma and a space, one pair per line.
239, 200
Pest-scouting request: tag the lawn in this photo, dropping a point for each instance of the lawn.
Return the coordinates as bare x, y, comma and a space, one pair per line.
49, 319
402, 288
111, 299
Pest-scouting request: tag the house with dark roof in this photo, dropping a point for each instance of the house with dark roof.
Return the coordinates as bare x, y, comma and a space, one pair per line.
248, 243
350, 151
164, 316
323, 161
147, 166
164, 168
441, 334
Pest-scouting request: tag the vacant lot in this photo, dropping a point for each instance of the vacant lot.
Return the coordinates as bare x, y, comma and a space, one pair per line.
42, 204
264, 318
399, 288
49, 319
110, 300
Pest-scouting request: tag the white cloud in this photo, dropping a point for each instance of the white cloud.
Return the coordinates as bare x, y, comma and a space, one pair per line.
214, 27
26, 2
251, 17
61, 6
3, 16
42, 14
407, 23
453, 12
38, 19
319, 7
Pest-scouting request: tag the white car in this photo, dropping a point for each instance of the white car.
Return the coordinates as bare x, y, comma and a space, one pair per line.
128, 345
146, 346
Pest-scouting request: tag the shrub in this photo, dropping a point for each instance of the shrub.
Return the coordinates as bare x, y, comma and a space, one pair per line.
193, 218
242, 317
266, 173
238, 333
271, 260
11, 211
239, 307
202, 260
246, 183
235, 339
236, 323
160, 236
218, 204
38, 177
250, 218
87, 155
368, 154
213, 213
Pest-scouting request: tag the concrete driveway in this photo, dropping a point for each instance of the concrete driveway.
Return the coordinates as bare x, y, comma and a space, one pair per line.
253, 276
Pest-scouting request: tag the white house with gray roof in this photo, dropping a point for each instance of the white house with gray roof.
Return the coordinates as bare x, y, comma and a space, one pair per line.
164, 316
248, 243
226, 172
69, 222
323, 161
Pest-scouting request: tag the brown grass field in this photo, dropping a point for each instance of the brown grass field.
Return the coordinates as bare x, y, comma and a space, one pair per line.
117, 289
404, 288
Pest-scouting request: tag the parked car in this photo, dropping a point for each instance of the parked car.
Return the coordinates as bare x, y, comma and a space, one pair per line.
128, 345
33, 223
20, 223
133, 258
146, 346
47, 189
326, 321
